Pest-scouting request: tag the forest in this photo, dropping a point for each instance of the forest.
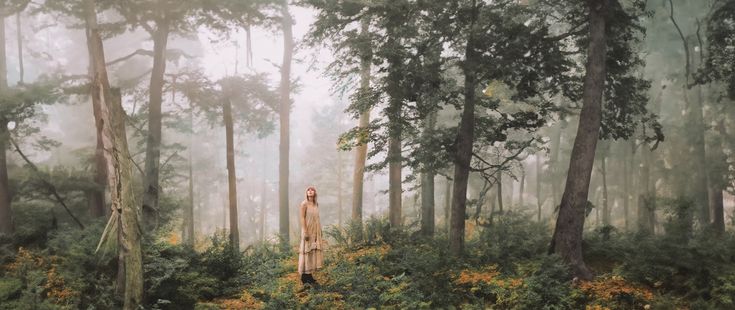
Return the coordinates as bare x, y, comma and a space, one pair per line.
453, 154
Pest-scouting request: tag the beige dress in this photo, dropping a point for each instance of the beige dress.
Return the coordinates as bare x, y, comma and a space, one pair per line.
310, 252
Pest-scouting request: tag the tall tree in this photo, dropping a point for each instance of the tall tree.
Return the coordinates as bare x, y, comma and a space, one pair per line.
284, 112
506, 80
13, 107
6, 213
567, 239
358, 177
246, 102
698, 190
159, 18
120, 177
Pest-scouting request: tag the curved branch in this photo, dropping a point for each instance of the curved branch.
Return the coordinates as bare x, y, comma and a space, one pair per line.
45, 182
683, 40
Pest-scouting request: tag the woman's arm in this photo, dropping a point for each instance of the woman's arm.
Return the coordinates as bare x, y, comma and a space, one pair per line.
302, 220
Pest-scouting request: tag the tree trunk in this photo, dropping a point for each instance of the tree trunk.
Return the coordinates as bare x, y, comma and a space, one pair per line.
119, 166
427, 189
567, 238
447, 204
231, 176
500, 192
717, 205
539, 200
395, 159
647, 194
339, 188
188, 232
699, 189
394, 173
521, 186
284, 117
361, 150
701, 175
6, 214
627, 160
262, 211
554, 164
19, 32
605, 202
720, 184
153, 141
97, 197
427, 204
465, 138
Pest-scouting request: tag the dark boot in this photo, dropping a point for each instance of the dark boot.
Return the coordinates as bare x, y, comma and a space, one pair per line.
312, 280
305, 278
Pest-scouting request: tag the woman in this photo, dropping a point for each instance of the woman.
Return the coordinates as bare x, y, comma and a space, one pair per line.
310, 249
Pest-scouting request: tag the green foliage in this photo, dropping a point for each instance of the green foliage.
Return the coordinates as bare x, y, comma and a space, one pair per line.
511, 236
10, 289
174, 279
548, 286
373, 231
720, 63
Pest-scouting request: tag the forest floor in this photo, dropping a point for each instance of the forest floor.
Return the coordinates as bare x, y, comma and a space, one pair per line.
468, 287
504, 266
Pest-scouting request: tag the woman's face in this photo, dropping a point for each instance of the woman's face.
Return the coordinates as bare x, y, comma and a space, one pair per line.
310, 192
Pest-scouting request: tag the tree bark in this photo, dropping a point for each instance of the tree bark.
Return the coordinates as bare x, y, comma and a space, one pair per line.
284, 118
521, 186
427, 204
539, 200
447, 204
567, 238
465, 138
262, 211
6, 213
395, 159
19, 32
605, 202
339, 188
554, 173
646, 196
716, 198
627, 160
97, 197
151, 187
394, 174
361, 149
188, 231
500, 192
231, 176
427, 189
717, 205
119, 166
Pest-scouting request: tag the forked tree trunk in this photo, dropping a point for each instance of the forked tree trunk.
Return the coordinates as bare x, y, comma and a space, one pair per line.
119, 166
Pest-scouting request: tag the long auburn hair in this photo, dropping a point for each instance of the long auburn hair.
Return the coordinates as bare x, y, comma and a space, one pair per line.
315, 194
